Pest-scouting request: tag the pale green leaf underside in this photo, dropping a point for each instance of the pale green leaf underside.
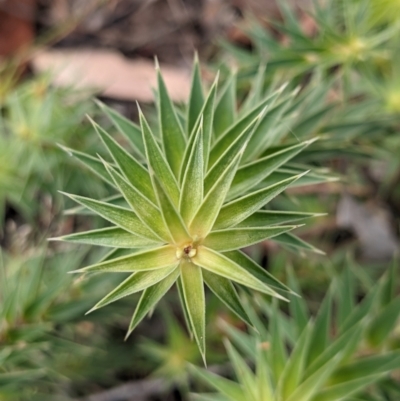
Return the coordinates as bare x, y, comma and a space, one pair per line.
157, 258
122, 217
157, 162
192, 184
193, 292
114, 237
173, 138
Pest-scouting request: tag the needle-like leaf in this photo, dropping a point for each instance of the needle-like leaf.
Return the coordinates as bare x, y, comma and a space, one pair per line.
236, 238
122, 217
126, 127
257, 271
236, 211
148, 213
157, 258
157, 161
173, 138
136, 282
226, 107
112, 237
172, 220
133, 171
193, 291
227, 293
252, 173
221, 164
149, 299
196, 99
193, 181
208, 211
220, 264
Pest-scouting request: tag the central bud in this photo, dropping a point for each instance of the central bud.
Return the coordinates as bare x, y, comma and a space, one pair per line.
187, 251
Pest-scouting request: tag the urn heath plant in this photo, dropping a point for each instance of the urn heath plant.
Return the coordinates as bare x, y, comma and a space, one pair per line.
189, 195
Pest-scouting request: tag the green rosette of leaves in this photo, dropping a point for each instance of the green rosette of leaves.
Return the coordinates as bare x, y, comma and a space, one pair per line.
189, 197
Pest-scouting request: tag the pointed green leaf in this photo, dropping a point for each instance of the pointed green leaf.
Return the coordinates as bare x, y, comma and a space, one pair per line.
293, 241
346, 341
219, 264
206, 116
361, 311
256, 92
285, 172
147, 212
298, 307
236, 238
209, 209
133, 171
264, 385
158, 163
264, 218
123, 218
196, 99
277, 352
233, 132
193, 291
346, 299
158, 258
184, 307
226, 158
263, 134
383, 323
110, 236
136, 282
173, 138
228, 388
243, 373
389, 284
226, 292
114, 200
320, 335
294, 367
118, 252
242, 340
150, 297
310, 386
367, 366
90, 162
249, 175
171, 217
192, 184
127, 128
236, 211
345, 390
256, 270
226, 107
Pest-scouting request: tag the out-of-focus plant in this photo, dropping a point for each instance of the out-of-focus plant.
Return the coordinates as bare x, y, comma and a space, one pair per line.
42, 326
36, 118
192, 191
338, 354
170, 359
337, 34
